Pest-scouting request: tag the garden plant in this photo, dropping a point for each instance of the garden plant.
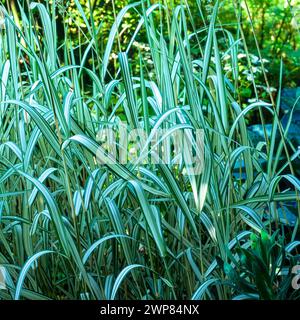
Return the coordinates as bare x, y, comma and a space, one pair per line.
79, 222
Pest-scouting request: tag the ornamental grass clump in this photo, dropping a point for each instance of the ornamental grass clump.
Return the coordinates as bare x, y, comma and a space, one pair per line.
78, 222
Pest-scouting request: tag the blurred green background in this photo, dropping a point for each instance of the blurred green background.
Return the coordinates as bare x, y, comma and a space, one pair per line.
268, 30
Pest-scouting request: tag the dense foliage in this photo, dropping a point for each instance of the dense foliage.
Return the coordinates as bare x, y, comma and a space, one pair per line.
72, 227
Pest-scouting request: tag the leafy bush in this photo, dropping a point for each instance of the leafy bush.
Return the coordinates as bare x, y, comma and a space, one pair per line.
263, 270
